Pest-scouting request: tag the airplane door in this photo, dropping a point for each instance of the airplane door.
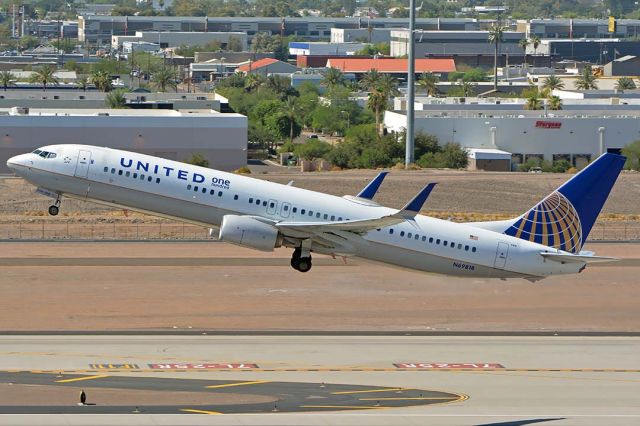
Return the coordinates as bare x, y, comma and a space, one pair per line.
272, 207
285, 210
82, 166
501, 255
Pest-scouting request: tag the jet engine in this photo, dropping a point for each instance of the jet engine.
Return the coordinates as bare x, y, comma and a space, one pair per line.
249, 232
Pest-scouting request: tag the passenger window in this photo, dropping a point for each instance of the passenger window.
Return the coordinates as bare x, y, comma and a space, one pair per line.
310, 212
211, 192
391, 231
135, 176
150, 178
339, 219
402, 233
318, 215
424, 238
113, 171
409, 235
157, 180
204, 190
128, 173
445, 243
473, 249
264, 204
195, 188
141, 177
459, 246
326, 216
453, 245
272, 205
106, 169
258, 202
286, 208
219, 193
250, 200
295, 209
120, 172
333, 217
466, 248
303, 211
438, 241
235, 197
416, 237
189, 187
431, 240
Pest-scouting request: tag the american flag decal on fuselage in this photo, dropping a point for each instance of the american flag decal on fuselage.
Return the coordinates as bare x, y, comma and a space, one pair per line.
554, 222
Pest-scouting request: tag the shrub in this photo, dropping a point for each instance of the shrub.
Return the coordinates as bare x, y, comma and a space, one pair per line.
198, 159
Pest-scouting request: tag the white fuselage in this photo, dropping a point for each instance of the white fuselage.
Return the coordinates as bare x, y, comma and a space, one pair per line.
204, 196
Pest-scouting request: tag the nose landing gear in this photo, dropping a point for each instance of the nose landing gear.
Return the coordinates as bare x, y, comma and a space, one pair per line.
301, 259
55, 208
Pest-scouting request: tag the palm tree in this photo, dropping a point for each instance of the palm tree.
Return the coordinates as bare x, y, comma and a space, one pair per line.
533, 103
535, 41
524, 43
551, 83
370, 80
586, 80
467, 88
116, 99
253, 82
554, 103
7, 78
389, 85
623, 83
44, 75
290, 110
428, 81
82, 83
496, 35
164, 78
377, 103
332, 78
102, 81
280, 85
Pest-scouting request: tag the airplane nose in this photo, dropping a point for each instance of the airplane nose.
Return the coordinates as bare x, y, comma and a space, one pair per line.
22, 160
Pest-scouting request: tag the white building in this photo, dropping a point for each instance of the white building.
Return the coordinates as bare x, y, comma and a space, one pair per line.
139, 46
221, 138
322, 48
176, 39
576, 136
362, 35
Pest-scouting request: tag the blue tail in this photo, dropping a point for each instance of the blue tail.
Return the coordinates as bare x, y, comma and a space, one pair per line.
564, 218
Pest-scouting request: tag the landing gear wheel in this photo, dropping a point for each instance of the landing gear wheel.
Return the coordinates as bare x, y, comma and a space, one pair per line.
304, 264
53, 210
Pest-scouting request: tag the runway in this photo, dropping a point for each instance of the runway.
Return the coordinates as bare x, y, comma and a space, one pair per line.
343, 379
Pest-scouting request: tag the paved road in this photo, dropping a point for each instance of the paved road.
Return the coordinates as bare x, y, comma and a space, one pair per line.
522, 380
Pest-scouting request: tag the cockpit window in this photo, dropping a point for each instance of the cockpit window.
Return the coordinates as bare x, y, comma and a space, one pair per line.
37, 151
45, 154
51, 155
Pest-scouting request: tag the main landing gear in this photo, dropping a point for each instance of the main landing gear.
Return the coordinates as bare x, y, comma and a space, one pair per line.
301, 258
55, 208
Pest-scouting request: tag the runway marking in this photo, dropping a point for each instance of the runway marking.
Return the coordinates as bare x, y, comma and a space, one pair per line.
419, 398
228, 385
354, 407
191, 410
368, 391
78, 379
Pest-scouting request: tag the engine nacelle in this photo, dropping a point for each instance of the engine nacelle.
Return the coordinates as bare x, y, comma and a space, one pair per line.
248, 232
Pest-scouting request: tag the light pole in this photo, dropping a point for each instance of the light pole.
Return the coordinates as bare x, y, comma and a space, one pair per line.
411, 73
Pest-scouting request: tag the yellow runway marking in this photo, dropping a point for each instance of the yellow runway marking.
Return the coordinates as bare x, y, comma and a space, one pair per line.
368, 391
228, 385
190, 410
354, 407
78, 379
425, 398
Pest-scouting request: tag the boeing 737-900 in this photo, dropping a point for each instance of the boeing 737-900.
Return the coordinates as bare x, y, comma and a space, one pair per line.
545, 240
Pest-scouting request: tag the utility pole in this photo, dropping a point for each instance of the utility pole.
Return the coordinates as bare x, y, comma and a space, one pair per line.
411, 73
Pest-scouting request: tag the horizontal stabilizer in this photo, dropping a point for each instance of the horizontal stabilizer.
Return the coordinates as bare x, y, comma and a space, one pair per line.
577, 258
372, 187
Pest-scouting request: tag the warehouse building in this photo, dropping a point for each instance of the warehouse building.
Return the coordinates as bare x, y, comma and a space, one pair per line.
220, 138
177, 39
575, 136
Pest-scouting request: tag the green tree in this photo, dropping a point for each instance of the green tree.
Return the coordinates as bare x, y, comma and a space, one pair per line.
554, 103
377, 103
495, 37
625, 83
312, 149
552, 83
290, 110
164, 78
116, 99
451, 155
370, 80
428, 82
632, 152
82, 82
102, 81
524, 43
535, 42
533, 103
234, 44
197, 159
7, 78
586, 80
44, 75
332, 78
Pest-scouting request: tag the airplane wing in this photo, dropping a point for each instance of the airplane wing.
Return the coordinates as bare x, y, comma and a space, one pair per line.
577, 258
360, 226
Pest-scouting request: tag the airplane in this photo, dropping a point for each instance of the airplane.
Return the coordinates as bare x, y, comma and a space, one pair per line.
545, 240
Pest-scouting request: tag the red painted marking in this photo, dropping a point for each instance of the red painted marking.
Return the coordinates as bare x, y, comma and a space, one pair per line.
443, 365
548, 124
207, 366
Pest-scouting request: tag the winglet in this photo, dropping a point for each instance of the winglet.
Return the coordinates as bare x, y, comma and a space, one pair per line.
372, 187
413, 207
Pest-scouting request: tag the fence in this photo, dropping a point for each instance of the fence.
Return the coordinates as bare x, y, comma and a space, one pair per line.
46, 229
